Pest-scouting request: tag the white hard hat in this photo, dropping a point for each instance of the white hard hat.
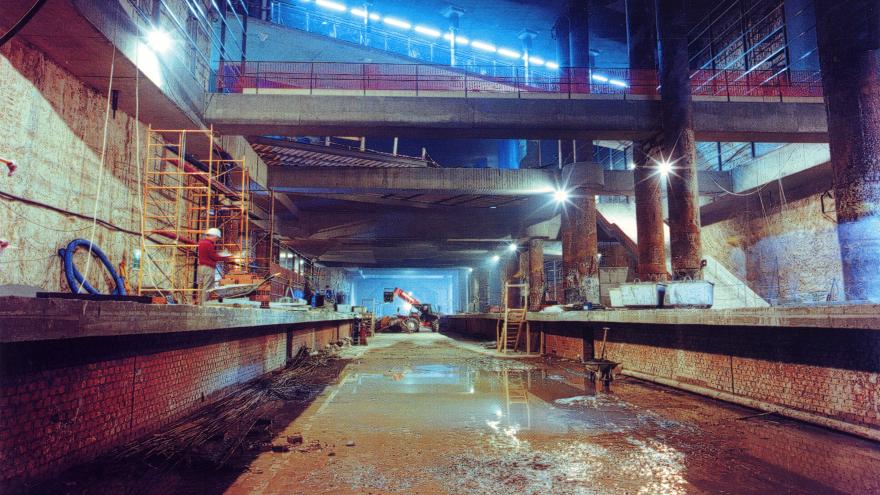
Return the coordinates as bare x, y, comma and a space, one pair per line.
214, 231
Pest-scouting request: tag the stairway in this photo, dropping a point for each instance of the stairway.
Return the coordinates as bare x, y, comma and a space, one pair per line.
730, 290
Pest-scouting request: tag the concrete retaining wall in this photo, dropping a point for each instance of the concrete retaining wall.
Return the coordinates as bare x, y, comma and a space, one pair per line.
65, 402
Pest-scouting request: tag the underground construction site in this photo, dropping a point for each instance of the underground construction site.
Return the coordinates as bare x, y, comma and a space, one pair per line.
439, 247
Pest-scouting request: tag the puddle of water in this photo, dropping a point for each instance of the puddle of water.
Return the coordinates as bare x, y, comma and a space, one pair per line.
432, 418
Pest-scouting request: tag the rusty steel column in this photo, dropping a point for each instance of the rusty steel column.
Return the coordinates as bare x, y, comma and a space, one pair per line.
580, 250
678, 142
848, 53
536, 273
642, 31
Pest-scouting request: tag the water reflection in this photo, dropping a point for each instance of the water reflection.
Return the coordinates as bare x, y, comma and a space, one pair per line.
508, 427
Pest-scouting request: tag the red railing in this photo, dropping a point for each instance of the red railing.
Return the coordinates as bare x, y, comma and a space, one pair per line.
348, 78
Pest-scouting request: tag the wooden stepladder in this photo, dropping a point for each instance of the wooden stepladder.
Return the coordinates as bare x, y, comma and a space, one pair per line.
513, 317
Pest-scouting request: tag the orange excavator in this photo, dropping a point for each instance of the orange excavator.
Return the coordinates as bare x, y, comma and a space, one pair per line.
417, 314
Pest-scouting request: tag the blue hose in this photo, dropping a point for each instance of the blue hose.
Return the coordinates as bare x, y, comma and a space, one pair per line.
75, 279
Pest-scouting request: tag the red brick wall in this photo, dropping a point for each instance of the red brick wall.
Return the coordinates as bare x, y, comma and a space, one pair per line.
565, 341
830, 373
63, 403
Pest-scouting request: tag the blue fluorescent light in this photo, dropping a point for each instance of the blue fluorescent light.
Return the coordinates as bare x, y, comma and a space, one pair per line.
391, 21
551, 65
597, 77
328, 4
375, 17
359, 12
479, 45
461, 40
615, 82
536, 60
427, 31
508, 53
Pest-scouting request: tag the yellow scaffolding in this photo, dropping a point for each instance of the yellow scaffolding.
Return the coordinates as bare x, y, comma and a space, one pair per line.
188, 187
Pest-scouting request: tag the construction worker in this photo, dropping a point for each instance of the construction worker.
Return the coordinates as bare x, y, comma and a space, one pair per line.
208, 258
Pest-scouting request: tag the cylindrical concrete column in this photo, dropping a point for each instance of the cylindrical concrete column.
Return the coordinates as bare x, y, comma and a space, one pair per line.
642, 41
580, 250
536, 274
678, 142
579, 32
563, 41
848, 54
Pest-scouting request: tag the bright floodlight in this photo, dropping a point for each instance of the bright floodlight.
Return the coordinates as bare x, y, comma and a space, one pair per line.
512, 247
495, 258
327, 4
560, 195
159, 40
664, 167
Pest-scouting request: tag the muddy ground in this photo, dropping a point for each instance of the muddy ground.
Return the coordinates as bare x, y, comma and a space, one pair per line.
426, 414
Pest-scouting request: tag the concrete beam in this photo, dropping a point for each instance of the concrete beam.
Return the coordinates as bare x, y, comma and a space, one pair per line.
28, 320
587, 176
435, 117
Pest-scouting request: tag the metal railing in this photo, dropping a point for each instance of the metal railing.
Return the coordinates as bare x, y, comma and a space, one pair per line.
427, 80
341, 27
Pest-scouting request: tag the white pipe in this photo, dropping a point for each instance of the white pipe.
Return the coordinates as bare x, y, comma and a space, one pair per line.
853, 429
559, 151
394, 150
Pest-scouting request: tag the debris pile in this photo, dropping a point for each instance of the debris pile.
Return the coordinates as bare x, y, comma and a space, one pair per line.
236, 422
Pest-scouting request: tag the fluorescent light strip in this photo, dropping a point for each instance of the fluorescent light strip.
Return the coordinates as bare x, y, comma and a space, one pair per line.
459, 40
391, 21
615, 82
597, 77
327, 4
508, 53
479, 45
427, 31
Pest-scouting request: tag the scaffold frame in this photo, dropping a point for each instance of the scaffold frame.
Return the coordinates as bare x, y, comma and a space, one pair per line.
189, 185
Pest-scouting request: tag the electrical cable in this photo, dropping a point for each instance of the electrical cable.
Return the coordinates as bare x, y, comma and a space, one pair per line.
22, 22
75, 280
103, 157
103, 223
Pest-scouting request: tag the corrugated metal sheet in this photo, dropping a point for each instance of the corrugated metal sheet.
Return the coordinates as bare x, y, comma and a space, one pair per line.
293, 154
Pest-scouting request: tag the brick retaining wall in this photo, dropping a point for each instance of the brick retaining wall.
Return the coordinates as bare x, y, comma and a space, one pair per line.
65, 402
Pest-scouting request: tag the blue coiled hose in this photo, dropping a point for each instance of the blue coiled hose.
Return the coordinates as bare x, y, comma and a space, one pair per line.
75, 279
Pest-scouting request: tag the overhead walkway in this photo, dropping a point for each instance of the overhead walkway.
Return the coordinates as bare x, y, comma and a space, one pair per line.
260, 98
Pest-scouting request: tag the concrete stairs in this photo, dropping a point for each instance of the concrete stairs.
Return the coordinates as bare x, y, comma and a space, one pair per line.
730, 290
